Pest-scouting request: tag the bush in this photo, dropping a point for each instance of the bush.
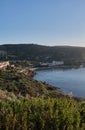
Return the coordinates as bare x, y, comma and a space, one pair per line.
41, 114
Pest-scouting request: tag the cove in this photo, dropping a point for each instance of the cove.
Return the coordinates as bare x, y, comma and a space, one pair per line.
66, 79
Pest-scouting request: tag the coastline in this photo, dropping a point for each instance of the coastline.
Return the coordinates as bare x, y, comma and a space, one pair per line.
58, 88
56, 67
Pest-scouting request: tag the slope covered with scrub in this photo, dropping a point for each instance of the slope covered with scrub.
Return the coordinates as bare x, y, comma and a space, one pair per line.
27, 104
22, 84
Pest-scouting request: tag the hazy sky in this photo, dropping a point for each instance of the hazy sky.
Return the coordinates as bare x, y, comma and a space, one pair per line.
49, 22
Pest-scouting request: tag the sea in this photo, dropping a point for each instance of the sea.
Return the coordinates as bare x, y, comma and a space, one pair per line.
67, 80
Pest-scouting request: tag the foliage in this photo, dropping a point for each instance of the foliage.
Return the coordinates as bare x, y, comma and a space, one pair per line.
22, 84
45, 112
42, 53
40, 114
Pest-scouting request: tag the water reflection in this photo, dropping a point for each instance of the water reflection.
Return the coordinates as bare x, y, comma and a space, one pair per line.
66, 79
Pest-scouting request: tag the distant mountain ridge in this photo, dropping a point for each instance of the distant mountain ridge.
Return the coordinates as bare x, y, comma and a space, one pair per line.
41, 53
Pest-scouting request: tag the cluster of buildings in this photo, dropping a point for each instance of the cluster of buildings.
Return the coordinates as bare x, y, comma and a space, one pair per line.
53, 63
4, 64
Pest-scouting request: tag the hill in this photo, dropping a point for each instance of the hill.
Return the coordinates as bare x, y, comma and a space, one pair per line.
22, 84
41, 53
27, 104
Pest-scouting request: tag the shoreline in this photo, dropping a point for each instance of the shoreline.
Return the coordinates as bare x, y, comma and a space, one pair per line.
55, 67
58, 88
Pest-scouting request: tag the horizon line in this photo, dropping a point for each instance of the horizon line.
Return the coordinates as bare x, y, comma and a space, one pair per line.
42, 44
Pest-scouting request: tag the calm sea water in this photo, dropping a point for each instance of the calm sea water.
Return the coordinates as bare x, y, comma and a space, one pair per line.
67, 80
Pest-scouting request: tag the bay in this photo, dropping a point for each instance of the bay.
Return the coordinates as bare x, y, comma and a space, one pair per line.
66, 79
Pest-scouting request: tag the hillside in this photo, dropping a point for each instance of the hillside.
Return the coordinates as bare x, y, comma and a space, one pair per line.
22, 84
27, 104
41, 53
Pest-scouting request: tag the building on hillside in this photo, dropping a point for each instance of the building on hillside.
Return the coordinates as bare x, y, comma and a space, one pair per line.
53, 63
4, 64
44, 64
57, 62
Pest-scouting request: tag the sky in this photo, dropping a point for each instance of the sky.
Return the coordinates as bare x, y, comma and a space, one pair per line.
46, 22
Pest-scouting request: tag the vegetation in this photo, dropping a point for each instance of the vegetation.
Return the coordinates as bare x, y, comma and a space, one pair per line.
27, 104
21, 83
40, 114
42, 53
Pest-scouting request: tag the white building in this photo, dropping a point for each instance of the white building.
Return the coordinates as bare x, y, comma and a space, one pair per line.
53, 63
3, 65
57, 62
